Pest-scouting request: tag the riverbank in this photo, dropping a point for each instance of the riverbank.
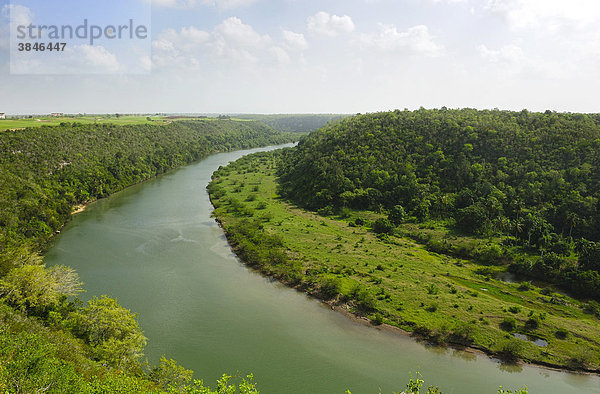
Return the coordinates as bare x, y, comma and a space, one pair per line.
395, 281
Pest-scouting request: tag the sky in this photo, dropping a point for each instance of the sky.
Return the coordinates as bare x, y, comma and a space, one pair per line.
309, 56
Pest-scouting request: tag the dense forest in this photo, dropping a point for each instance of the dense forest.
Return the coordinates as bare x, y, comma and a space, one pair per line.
295, 123
532, 179
50, 341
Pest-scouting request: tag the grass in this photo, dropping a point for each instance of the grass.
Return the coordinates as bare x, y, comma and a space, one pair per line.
38, 121
442, 297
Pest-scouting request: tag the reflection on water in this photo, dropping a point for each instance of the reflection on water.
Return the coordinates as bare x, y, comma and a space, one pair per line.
510, 367
464, 355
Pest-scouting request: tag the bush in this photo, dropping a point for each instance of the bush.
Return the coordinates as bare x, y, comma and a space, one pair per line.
592, 308
432, 289
463, 334
330, 287
511, 350
514, 309
378, 319
533, 323
509, 324
383, 226
397, 215
561, 333
364, 298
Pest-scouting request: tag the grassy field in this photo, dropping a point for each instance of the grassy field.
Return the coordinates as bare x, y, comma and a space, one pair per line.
8, 124
395, 280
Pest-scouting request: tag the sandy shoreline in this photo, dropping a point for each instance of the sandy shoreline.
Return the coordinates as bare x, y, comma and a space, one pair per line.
79, 208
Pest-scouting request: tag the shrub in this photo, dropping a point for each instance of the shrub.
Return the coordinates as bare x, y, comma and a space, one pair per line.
383, 226
364, 298
524, 286
532, 323
511, 350
592, 308
561, 333
463, 334
397, 215
509, 323
514, 309
378, 319
432, 289
330, 287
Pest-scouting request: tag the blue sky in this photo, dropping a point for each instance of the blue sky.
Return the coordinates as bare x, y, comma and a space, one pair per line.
276, 56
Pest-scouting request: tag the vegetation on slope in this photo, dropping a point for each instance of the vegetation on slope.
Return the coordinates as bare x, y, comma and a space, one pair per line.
296, 123
49, 341
531, 178
391, 278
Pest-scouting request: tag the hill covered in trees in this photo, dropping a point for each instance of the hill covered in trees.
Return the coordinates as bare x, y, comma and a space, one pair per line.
295, 123
531, 178
49, 341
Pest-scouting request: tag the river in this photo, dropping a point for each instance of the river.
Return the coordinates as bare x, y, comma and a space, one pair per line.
156, 248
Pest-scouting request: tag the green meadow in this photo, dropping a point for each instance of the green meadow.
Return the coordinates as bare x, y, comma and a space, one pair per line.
38, 121
398, 279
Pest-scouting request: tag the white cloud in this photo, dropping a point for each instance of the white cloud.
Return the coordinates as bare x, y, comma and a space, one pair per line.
328, 25
17, 14
507, 54
294, 41
547, 15
96, 57
236, 33
232, 43
280, 55
416, 39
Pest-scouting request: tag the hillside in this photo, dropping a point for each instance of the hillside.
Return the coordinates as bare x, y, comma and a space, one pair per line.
531, 179
294, 123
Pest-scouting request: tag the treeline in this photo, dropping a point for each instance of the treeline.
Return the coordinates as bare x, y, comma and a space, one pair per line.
295, 123
45, 171
531, 177
50, 341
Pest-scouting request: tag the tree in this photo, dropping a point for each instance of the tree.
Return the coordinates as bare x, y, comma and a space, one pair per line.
397, 215
33, 288
111, 330
383, 226
589, 255
168, 374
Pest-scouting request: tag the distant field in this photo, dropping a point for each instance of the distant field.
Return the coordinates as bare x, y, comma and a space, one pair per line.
6, 124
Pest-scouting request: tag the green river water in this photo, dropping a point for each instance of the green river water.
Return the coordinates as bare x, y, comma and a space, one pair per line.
156, 248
